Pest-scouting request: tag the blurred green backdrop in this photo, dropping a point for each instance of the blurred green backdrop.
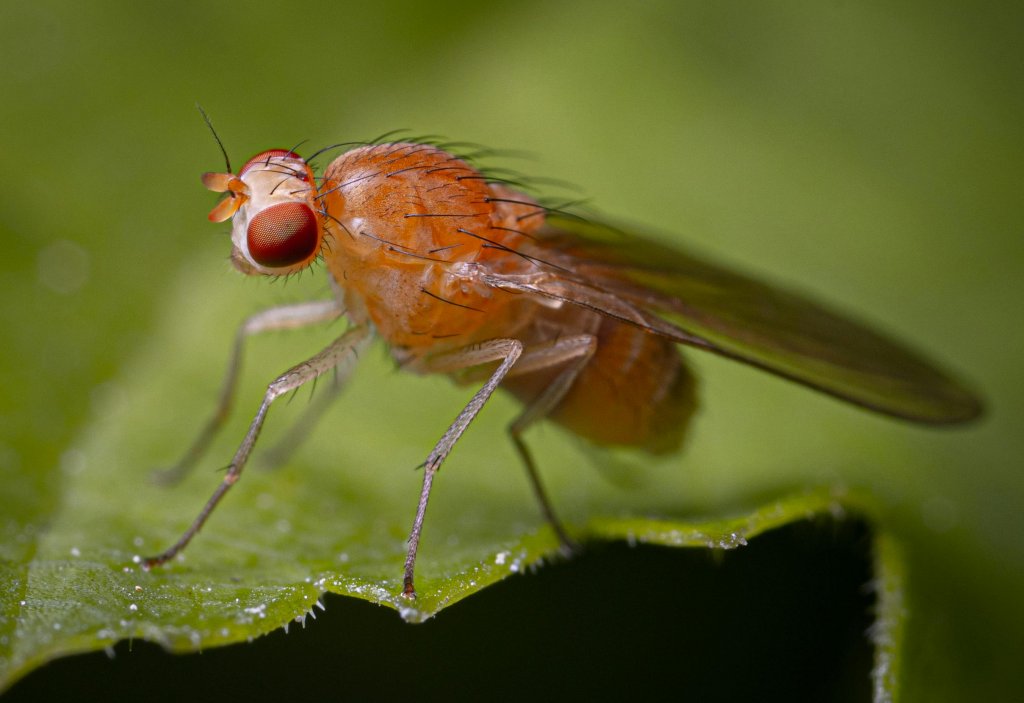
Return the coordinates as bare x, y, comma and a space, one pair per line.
869, 152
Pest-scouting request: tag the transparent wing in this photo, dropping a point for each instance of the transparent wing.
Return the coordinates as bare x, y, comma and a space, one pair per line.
703, 305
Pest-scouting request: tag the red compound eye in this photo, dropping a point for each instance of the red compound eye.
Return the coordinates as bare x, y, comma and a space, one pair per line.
283, 235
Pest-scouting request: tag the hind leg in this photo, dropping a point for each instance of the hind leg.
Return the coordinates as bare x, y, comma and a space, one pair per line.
575, 353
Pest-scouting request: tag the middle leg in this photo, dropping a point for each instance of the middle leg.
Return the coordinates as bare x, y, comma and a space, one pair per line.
574, 351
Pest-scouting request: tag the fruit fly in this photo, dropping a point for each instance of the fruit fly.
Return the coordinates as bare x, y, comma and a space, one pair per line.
461, 274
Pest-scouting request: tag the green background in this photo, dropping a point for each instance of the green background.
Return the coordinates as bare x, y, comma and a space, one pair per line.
868, 152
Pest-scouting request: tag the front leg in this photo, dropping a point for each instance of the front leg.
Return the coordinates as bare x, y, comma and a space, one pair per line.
334, 356
277, 318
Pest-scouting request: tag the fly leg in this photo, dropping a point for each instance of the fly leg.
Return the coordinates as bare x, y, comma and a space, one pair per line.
576, 349
575, 352
506, 350
333, 356
277, 318
303, 427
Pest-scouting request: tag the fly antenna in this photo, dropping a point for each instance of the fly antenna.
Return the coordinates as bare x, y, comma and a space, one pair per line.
206, 118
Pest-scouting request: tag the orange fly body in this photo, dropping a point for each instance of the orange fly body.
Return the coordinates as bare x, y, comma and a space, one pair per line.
462, 275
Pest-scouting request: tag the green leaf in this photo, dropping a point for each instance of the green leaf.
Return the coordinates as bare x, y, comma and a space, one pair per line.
334, 518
